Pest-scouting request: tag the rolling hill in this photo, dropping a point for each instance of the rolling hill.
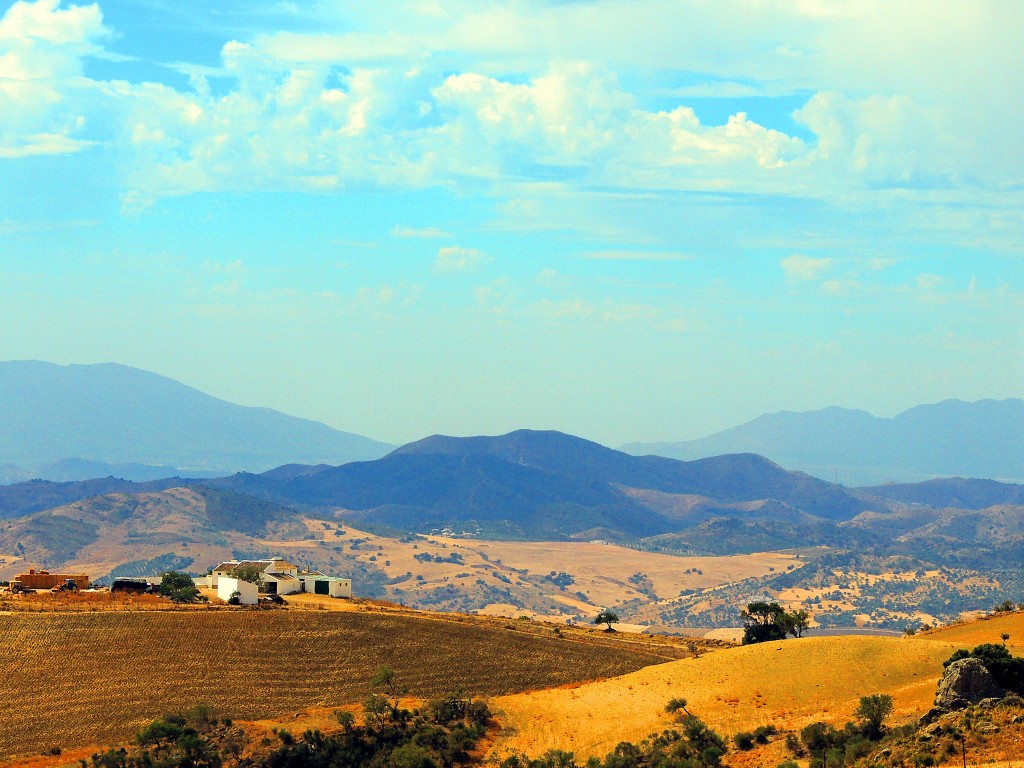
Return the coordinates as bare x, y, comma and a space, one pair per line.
984, 439
536, 484
115, 415
257, 664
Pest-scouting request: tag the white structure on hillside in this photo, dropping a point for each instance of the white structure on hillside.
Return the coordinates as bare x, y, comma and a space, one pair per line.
279, 577
248, 594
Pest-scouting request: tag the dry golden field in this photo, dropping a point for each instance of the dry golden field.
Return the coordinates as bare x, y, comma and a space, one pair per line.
788, 684
601, 571
985, 630
79, 678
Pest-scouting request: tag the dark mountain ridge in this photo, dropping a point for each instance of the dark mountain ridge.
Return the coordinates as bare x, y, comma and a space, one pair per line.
522, 483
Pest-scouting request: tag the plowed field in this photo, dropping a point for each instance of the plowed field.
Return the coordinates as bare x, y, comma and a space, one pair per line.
84, 678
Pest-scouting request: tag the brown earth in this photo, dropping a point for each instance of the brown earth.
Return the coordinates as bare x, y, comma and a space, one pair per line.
108, 672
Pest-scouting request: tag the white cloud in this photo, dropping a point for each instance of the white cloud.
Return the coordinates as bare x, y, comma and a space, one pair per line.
41, 51
453, 258
463, 92
799, 268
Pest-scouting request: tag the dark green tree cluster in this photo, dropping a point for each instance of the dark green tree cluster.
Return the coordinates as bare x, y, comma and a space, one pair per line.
179, 587
695, 746
1007, 670
830, 746
441, 735
764, 622
173, 741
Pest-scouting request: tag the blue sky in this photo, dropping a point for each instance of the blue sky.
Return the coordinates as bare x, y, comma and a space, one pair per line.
628, 220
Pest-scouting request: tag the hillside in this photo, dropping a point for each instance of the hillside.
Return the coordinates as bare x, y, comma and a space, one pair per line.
982, 439
113, 414
540, 485
186, 528
958, 492
258, 664
788, 684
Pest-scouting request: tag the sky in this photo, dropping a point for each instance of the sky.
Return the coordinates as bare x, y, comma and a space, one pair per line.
630, 220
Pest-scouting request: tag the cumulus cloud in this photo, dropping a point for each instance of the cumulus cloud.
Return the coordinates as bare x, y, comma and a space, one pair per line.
42, 48
800, 268
453, 258
376, 106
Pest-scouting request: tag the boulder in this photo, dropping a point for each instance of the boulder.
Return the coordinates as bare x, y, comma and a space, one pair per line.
966, 682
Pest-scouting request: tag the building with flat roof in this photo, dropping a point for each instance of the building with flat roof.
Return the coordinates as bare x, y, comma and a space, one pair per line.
277, 576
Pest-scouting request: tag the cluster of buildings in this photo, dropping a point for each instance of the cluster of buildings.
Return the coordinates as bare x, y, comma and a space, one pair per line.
274, 576
246, 580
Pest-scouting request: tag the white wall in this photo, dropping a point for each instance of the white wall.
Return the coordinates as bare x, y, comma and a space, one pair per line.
247, 590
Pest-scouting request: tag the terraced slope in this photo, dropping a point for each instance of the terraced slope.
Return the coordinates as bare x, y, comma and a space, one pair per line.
92, 678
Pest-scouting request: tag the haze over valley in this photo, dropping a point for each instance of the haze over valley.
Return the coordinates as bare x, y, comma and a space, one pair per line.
534, 384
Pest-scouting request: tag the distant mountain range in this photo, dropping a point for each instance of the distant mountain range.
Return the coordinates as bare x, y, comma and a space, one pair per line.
952, 438
524, 485
539, 485
79, 421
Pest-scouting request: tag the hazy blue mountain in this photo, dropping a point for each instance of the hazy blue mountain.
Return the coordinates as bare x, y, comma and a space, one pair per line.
957, 492
538, 485
113, 414
952, 438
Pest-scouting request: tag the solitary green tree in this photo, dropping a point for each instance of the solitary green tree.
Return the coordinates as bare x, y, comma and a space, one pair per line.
872, 712
607, 617
763, 622
179, 587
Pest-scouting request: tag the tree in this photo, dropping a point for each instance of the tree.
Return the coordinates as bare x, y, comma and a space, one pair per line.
1004, 637
179, 587
386, 678
818, 737
250, 574
872, 712
797, 622
763, 622
607, 617
676, 704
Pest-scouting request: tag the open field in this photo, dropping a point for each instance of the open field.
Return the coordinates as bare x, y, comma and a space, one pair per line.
518, 574
788, 684
74, 678
985, 630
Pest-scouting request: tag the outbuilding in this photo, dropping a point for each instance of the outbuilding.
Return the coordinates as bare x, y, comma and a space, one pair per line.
248, 594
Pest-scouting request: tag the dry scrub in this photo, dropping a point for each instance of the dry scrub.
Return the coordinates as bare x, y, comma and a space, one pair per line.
788, 684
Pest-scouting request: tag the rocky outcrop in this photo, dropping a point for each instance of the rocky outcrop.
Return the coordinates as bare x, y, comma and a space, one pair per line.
965, 682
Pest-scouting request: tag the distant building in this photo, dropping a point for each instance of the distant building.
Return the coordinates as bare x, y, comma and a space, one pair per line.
248, 594
43, 579
279, 577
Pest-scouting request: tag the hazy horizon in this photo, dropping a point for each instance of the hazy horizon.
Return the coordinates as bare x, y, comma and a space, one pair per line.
629, 221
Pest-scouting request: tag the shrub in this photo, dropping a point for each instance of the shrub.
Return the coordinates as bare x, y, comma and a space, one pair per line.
744, 740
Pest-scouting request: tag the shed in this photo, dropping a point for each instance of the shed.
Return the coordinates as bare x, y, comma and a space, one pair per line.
247, 591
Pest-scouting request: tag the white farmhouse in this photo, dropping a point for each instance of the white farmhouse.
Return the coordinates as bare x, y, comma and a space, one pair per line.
279, 577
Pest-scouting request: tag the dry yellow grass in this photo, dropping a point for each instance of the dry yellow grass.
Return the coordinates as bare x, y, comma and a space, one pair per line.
986, 630
601, 571
789, 684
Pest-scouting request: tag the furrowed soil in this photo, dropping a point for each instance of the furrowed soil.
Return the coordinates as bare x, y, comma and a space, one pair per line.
82, 678
787, 684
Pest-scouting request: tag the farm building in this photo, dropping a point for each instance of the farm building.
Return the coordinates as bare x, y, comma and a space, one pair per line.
248, 594
43, 579
279, 577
